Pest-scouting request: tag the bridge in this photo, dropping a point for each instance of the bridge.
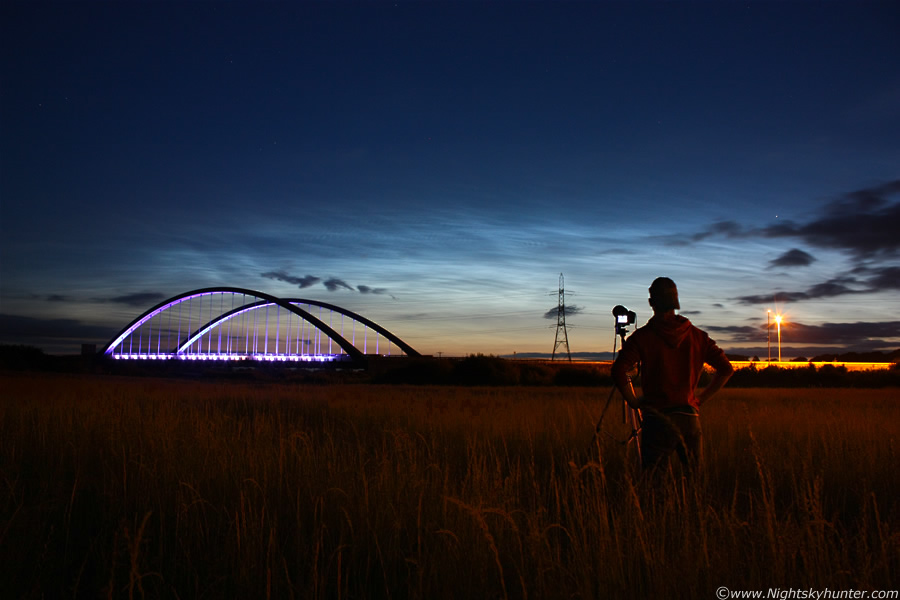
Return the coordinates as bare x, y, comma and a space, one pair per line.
230, 323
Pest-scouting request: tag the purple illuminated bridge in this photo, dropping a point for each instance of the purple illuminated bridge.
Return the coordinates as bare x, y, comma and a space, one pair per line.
239, 324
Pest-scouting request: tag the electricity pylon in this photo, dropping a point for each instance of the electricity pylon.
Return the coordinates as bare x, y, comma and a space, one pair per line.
561, 340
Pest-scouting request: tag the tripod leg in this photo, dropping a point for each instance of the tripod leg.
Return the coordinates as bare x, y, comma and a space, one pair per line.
596, 435
636, 425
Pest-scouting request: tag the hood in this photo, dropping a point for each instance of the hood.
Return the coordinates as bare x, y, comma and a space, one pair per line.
671, 328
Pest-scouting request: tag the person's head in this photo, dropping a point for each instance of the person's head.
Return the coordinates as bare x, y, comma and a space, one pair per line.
663, 295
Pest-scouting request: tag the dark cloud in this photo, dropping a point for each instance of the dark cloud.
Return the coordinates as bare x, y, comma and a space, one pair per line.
884, 278
867, 334
865, 200
739, 333
869, 280
139, 299
364, 289
19, 329
333, 284
838, 286
570, 311
771, 298
793, 258
691, 313
57, 298
864, 235
829, 289
864, 223
301, 282
841, 333
728, 229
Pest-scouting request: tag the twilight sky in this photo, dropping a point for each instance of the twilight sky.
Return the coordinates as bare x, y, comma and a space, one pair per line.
435, 166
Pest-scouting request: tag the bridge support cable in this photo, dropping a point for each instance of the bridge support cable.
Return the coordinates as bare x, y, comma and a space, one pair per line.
189, 320
266, 341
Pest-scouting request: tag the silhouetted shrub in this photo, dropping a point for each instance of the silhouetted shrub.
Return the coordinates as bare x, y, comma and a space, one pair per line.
579, 376
831, 376
22, 358
478, 369
419, 372
535, 374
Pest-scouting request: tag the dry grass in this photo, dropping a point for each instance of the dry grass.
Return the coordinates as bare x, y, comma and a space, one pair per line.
154, 488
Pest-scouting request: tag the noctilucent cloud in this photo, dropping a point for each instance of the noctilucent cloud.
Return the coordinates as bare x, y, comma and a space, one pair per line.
436, 166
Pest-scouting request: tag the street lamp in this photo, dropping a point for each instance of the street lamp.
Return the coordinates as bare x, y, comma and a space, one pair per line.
769, 334
778, 322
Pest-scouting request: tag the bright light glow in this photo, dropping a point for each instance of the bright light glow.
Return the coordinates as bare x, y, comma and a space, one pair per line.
236, 357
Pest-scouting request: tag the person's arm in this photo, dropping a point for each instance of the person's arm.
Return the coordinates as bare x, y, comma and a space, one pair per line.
627, 391
622, 365
724, 370
718, 381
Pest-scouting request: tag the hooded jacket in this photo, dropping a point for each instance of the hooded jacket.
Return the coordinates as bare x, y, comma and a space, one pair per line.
671, 353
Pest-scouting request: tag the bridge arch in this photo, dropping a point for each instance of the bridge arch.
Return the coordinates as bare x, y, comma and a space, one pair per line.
244, 319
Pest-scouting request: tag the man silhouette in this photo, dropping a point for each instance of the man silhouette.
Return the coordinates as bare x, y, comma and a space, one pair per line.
671, 353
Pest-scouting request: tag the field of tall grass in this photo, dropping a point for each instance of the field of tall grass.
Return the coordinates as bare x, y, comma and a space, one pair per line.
131, 487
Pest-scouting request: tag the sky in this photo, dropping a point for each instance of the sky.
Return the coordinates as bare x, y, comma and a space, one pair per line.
435, 166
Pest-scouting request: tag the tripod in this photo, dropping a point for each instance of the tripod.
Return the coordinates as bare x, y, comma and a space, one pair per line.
630, 416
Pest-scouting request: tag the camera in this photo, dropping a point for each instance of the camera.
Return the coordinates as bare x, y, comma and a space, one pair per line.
624, 318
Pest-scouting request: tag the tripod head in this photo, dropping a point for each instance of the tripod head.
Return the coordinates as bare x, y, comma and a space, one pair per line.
624, 318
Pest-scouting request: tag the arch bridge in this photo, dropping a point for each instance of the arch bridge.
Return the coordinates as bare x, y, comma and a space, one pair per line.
230, 323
